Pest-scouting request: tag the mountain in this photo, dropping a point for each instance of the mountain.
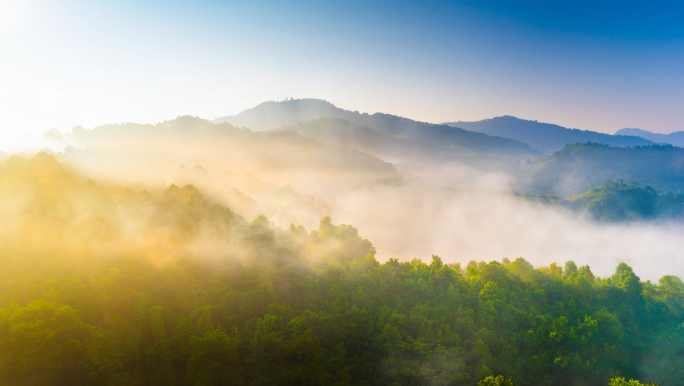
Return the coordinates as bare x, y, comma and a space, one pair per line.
616, 201
341, 132
577, 168
545, 137
272, 115
392, 148
676, 138
153, 152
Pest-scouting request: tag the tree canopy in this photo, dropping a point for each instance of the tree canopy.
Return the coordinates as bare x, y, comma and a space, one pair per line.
103, 285
615, 201
579, 167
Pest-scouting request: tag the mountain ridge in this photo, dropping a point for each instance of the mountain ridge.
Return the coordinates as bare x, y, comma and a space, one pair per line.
195, 141
546, 137
675, 138
391, 148
273, 115
577, 168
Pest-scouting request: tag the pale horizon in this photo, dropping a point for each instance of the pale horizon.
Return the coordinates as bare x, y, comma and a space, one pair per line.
92, 63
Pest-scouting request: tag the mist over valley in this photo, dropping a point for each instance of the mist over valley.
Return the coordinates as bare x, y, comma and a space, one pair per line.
341, 193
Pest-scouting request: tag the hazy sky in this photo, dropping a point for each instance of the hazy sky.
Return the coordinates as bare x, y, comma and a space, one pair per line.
586, 64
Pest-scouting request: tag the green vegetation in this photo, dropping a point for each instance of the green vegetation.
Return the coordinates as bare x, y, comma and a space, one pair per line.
618, 201
496, 381
577, 168
103, 285
619, 381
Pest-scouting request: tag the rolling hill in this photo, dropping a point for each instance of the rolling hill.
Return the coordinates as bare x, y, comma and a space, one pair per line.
577, 168
545, 137
153, 152
391, 148
676, 138
273, 115
616, 201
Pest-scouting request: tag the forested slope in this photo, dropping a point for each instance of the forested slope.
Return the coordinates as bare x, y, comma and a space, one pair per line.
106, 285
616, 201
579, 167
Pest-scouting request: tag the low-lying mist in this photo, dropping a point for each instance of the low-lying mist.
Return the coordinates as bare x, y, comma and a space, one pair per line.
468, 224
463, 214
451, 209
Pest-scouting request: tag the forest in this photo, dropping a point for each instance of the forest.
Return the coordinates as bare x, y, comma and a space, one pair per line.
578, 167
617, 201
108, 285
341, 193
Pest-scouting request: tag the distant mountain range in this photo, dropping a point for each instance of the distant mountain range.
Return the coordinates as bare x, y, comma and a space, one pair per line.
274, 115
577, 168
547, 137
676, 138
578, 160
341, 132
277, 155
391, 148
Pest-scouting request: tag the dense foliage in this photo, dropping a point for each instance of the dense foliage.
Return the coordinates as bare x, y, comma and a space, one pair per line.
579, 167
104, 285
620, 381
618, 201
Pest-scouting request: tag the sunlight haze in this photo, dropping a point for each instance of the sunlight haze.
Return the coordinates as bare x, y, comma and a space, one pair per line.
69, 63
341, 193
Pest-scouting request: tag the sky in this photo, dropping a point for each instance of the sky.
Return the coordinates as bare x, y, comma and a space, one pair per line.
590, 65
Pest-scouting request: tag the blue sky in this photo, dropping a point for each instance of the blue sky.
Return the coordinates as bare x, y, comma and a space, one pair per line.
591, 65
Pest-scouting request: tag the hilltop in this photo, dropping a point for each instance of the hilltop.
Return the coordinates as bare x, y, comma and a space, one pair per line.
392, 148
545, 137
676, 138
272, 115
579, 167
615, 201
153, 152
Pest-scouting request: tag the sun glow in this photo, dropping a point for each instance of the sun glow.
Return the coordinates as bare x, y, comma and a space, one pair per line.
10, 11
